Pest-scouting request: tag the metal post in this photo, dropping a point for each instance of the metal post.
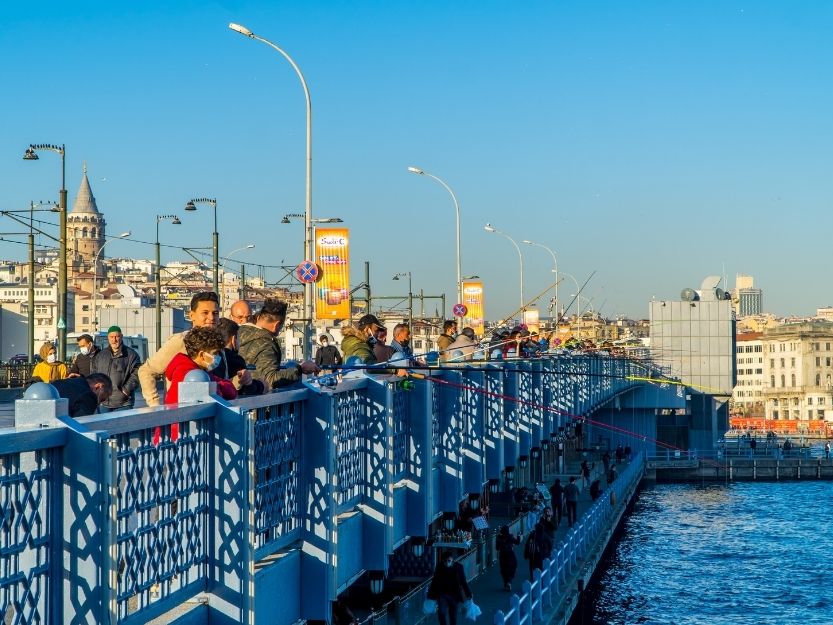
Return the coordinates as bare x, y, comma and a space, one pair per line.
215, 243
158, 291
31, 313
410, 304
242, 281
62, 261
367, 284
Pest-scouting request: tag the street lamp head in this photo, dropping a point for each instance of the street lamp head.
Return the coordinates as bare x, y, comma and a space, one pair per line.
250, 246
176, 221
190, 206
30, 154
285, 219
416, 170
241, 29
489, 228
527, 242
328, 220
124, 235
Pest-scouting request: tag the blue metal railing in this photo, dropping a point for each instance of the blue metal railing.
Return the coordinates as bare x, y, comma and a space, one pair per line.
547, 585
118, 518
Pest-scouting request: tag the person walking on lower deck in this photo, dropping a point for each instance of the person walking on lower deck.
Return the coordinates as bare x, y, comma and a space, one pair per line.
571, 498
449, 589
507, 559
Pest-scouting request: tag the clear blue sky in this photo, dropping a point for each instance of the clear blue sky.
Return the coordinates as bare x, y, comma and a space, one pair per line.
653, 142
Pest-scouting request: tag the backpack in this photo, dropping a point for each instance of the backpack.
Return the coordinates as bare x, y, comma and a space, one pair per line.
530, 547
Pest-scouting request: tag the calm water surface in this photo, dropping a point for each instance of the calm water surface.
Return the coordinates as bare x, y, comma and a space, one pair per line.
742, 553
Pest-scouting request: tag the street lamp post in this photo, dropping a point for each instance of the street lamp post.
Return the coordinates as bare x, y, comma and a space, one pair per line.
490, 228
250, 246
308, 206
396, 276
31, 154
95, 277
578, 300
215, 237
555, 266
420, 172
175, 221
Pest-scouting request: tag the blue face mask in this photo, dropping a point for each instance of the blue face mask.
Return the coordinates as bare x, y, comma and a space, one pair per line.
449, 563
215, 362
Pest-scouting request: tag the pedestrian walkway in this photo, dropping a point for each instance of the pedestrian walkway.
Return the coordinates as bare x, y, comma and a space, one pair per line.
489, 593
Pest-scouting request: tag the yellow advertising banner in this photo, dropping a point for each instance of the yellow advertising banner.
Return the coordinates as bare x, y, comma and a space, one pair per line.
473, 299
332, 254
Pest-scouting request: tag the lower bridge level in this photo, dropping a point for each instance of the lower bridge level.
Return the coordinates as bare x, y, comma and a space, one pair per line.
273, 508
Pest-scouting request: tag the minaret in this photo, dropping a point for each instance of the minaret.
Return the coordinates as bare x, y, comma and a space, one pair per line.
85, 228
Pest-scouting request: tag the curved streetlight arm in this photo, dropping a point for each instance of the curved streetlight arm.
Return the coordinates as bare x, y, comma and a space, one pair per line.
307, 348
491, 228
555, 267
418, 171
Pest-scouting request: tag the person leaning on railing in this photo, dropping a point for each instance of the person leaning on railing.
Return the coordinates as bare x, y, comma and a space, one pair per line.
50, 368
205, 311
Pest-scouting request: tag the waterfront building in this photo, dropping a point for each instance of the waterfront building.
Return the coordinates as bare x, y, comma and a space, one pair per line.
695, 338
798, 371
747, 396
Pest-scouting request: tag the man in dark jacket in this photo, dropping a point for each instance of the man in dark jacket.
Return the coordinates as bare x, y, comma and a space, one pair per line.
327, 355
83, 360
359, 341
121, 364
449, 589
259, 347
84, 395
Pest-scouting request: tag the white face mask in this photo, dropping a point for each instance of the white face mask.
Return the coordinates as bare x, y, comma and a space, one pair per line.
51, 358
85, 350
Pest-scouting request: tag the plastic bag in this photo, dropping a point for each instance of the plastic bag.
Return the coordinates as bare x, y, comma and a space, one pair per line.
471, 610
429, 606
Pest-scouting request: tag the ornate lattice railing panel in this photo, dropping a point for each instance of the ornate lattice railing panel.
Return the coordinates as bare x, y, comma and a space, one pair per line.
162, 512
277, 465
401, 431
25, 505
350, 421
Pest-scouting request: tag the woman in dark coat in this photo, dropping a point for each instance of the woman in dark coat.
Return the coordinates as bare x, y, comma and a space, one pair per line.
506, 555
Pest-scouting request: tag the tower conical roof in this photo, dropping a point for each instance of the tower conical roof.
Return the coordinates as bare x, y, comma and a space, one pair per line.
84, 200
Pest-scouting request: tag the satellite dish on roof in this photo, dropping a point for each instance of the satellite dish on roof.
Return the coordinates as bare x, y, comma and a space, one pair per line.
689, 295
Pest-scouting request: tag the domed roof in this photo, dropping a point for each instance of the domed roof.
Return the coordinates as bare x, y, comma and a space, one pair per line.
84, 200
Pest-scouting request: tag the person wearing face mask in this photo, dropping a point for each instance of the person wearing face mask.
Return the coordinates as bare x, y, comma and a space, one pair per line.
327, 355
50, 368
202, 351
81, 364
359, 341
449, 589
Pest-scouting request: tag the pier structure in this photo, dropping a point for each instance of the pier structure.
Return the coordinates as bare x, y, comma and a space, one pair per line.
268, 509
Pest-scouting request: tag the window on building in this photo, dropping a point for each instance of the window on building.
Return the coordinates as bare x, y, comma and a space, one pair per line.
782, 363
774, 414
827, 379
772, 363
821, 401
809, 414
772, 385
809, 401
792, 383
759, 371
783, 381
796, 414
818, 379
818, 361
792, 362
827, 347
827, 361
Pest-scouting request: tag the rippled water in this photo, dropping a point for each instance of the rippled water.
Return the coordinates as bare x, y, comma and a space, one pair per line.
720, 554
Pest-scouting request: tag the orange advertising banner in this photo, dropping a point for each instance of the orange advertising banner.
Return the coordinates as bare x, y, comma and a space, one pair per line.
473, 300
332, 254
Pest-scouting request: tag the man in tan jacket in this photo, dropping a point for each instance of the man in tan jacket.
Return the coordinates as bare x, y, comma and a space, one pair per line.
205, 312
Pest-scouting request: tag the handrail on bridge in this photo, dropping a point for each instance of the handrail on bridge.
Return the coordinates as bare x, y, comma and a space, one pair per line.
121, 517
